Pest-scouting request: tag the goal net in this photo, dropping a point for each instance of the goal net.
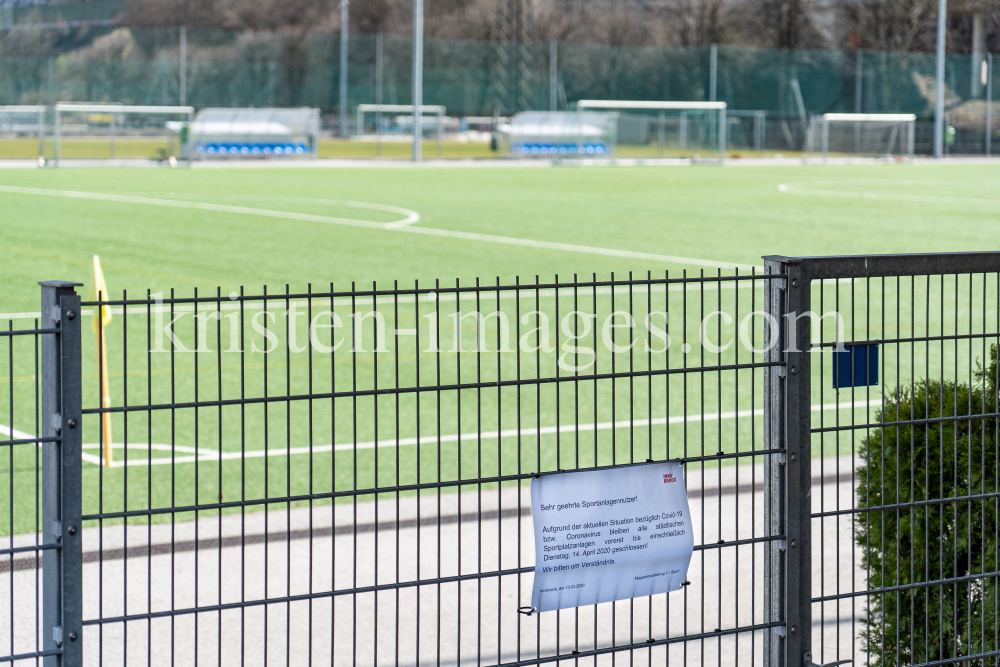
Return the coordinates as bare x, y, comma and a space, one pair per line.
120, 133
22, 131
389, 122
394, 123
677, 129
882, 136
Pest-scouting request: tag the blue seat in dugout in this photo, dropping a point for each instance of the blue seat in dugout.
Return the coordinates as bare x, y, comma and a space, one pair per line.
856, 365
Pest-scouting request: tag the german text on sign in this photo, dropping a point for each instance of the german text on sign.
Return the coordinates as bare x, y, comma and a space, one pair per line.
609, 535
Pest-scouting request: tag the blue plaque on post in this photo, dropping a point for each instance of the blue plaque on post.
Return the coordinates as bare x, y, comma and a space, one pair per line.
855, 365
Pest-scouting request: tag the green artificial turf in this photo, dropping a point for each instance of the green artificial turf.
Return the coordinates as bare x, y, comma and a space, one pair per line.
730, 215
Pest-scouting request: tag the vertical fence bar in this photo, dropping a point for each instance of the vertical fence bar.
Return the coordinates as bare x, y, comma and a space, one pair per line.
798, 445
723, 121
41, 134
58, 133
62, 595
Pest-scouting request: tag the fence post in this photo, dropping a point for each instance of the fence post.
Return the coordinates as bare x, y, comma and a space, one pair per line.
798, 467
62, 567
787, 478
774, 589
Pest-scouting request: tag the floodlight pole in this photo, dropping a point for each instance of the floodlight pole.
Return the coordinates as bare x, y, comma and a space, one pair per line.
378, 96
989, 103
713, 71
713, 78
344, 4
553, 74
418, 75
858, 77
939, 87
183, 67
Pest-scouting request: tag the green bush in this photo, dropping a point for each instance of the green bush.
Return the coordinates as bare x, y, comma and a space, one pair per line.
931, 542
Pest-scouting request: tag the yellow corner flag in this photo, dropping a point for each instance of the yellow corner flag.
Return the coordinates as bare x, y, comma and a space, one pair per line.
99, 292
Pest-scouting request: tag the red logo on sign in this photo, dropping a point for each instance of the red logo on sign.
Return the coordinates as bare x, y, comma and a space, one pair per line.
668, 478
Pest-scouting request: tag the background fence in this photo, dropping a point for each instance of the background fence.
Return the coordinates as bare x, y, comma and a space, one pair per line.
342, 476
141, 66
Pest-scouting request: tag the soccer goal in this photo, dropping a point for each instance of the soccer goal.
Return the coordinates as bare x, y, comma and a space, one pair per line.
121, 133
686, 129
20, 127
884, 136
394, 122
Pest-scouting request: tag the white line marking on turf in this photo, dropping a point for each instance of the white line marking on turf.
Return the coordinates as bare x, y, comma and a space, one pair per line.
409, 217
395, 226
201, 454
797, 189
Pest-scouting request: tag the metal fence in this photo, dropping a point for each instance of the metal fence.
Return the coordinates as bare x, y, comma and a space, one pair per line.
341, 477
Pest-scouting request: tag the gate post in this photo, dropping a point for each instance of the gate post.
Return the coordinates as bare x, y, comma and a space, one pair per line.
788, 476
62, 564
798, 468
774, 482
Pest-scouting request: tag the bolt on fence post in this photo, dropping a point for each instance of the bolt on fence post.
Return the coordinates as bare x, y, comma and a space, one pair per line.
774, 297
62, 567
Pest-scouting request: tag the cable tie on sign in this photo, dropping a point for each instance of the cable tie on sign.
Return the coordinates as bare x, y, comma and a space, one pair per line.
527, 611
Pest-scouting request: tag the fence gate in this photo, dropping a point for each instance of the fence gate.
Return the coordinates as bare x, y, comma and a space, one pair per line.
341, 476
905, 503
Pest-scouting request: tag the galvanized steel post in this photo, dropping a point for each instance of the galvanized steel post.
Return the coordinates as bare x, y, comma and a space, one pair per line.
787, 479
62, 564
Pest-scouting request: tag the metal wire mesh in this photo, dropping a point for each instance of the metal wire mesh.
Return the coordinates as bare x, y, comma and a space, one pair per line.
289, 496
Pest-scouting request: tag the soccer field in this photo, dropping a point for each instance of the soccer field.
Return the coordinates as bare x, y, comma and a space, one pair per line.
257, 228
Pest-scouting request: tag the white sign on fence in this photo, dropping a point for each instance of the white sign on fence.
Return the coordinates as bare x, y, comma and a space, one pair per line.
609, 535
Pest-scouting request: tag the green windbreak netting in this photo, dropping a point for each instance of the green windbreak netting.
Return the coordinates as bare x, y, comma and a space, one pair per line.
141, 66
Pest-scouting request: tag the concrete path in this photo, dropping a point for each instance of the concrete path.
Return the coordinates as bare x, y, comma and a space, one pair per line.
465, 619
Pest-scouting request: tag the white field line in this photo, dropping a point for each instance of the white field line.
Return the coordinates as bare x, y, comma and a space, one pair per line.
202, 454
395, 226
798, 189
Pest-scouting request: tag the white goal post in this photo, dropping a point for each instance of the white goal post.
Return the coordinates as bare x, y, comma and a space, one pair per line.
18, 119
879, 135
114, 114
682, 106
435, 110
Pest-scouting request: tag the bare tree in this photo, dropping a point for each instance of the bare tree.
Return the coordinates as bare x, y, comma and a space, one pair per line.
696, 22
890, 25
779, 24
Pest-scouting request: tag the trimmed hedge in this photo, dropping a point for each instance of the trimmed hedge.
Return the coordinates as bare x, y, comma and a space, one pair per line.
929, 542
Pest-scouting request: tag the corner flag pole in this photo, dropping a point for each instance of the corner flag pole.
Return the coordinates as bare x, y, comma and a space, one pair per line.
101, 318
